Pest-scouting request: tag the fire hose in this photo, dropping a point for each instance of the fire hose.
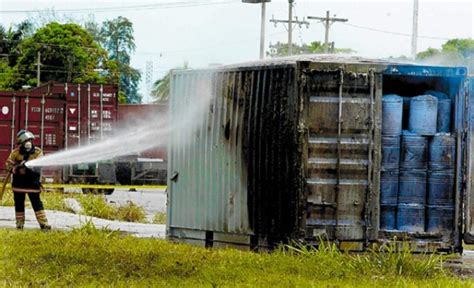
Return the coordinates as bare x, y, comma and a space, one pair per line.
5, 181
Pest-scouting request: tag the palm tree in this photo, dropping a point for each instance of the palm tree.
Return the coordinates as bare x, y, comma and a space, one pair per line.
161, 87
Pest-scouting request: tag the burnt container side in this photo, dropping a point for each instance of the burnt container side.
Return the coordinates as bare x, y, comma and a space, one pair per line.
239, 172
311, 170
342, 104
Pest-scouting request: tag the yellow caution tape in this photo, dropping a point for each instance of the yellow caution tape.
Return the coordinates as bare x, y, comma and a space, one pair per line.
101, 186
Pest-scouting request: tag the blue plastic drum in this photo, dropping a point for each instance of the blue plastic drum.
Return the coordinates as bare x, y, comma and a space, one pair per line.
388, 217
392, 110
441, 187
438, 94
444, 116
442, 152
423, 115
389, 187
440, 219
414, 151
390, 152
412, 187
411, 217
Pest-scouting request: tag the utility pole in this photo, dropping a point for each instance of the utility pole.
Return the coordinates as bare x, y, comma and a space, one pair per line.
327, 22
414, 35
262, 24
262, 31
38, 69
290, 27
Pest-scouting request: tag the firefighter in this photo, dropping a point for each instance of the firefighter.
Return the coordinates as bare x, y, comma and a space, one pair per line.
26, 180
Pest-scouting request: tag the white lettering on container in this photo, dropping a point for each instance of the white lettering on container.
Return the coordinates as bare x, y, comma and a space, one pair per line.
107, 114
50, 139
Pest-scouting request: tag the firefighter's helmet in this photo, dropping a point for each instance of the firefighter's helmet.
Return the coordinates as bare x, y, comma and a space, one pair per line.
24, 135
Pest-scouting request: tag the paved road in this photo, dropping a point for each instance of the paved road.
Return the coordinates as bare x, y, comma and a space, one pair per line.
67, 221
152, 200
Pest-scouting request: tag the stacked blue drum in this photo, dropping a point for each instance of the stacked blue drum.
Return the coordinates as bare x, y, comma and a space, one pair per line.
417, 178
413, 176
392, 112
440, 208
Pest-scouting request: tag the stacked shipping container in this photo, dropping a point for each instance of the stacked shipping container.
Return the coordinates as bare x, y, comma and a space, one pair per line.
60, 115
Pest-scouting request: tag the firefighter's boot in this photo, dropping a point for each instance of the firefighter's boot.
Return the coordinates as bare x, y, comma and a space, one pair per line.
42, 220
20, 220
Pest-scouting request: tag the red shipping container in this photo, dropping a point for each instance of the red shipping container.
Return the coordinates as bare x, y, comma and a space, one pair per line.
60, 115
131, 114
44, 117
9, 115
91, 112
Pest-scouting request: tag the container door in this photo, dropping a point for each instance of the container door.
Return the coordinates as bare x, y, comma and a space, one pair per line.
468, 179
44, 117
73, 115
8, 126
342, 159
102, 111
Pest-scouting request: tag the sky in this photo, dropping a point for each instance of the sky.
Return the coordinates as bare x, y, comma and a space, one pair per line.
169, 33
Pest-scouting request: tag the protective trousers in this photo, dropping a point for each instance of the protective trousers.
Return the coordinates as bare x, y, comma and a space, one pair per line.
37, 207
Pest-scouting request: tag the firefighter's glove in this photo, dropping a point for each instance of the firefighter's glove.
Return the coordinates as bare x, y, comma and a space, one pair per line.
20, 168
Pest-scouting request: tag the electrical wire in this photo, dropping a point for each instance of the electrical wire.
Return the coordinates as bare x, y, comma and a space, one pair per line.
203, 48
156, 6
391, 32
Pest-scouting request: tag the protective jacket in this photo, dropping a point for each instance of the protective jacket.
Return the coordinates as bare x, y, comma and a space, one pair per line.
25, 180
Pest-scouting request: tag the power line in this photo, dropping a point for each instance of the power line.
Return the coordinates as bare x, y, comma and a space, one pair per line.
157, 6
161, 53
54, 45
393, 33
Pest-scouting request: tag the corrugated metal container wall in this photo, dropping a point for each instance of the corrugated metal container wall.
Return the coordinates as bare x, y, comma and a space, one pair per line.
238, 173
129, 114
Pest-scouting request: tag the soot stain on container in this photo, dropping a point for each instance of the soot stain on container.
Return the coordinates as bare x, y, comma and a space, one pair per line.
270, 152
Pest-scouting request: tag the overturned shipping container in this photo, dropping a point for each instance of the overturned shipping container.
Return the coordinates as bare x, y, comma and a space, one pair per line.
292, 149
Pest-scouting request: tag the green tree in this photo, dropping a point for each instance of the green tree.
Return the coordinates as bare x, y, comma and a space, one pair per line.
281, 49
453, 52
117, 37
161, 88
9, 40
68, 54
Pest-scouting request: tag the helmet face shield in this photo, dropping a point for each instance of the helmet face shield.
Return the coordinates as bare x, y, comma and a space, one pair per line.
24, 135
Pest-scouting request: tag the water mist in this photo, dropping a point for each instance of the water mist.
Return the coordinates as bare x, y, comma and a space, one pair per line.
144, 134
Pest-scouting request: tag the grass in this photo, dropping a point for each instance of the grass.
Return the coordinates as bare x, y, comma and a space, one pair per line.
159, 218
91, 257
93, 205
